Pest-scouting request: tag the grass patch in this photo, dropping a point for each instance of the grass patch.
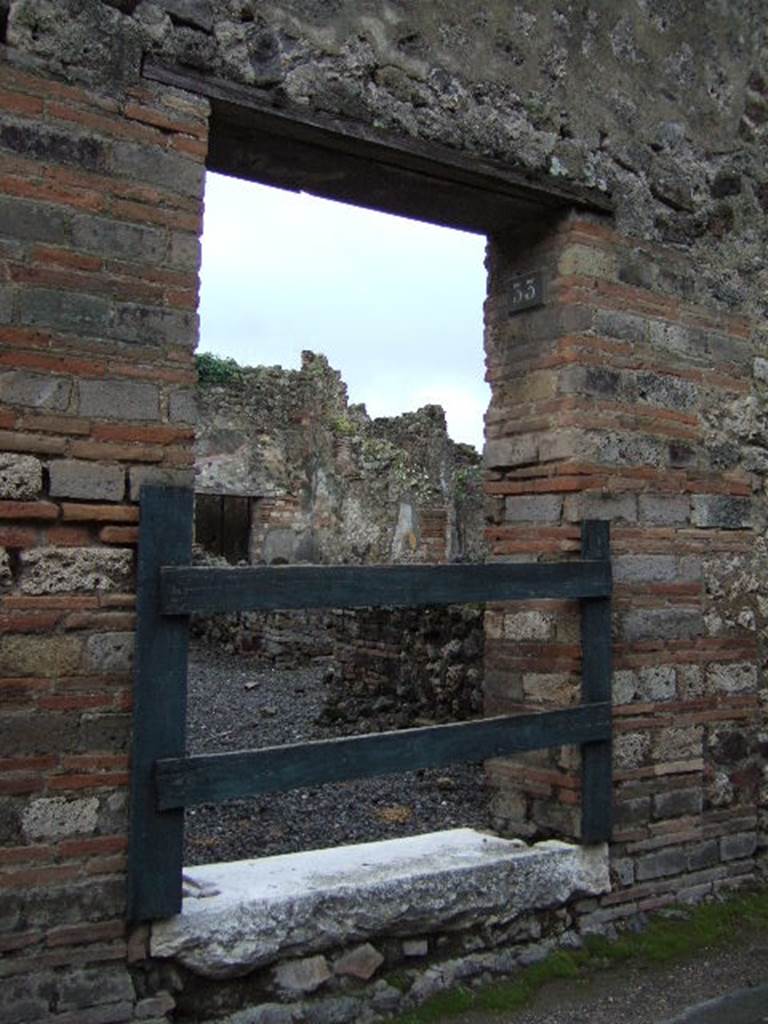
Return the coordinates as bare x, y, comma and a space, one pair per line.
666, 939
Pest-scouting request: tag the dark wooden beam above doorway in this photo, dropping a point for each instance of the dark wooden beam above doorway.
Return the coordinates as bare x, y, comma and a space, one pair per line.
291, 149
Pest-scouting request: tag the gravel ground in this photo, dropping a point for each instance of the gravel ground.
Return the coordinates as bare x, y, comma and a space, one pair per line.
649, 995
235, 703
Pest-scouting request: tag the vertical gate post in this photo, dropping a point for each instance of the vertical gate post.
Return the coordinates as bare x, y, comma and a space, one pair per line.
159, 706
596, 675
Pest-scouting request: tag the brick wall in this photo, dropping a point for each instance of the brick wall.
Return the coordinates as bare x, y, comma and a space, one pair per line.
612, 401
99, 218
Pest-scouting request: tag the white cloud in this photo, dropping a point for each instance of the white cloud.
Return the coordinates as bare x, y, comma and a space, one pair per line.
394, 304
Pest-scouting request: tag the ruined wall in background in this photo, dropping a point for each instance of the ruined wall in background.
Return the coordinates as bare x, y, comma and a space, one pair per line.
638, 392
329, 484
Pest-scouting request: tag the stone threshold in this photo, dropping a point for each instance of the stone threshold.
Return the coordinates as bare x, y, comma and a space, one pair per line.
247, 914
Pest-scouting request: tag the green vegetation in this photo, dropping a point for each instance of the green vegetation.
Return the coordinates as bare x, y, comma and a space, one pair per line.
213, 370
671, 936
343, 426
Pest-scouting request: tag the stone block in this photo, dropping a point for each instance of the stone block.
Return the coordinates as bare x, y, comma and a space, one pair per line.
680, 743
361, 962
666, 391
182, 406
91, 481
52, 818
732, 677
533, 508
109, 652
6, 573
91, 986
194, 12
656, 682
302, 976
645, 568
21, 477
595, 381
678, 803
104, 732
153, 165
55, 145
118, 240
760, 369
153, 325
624, 326
265, 1013
636, 811
660, 864
721, 512
25, 997
415, 947
35, 390
738, 846
119, 399
664, 509
510, 451
662, 624
140, 475
589, 505
624, 686
310, 902
185, 251
155, 1006
40, 732
33, 222
35, 655
527, 625
704, 855
67, 311
51, 570
631, 749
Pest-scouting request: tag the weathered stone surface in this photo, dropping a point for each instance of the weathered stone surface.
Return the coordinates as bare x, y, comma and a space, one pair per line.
58, 817
36, 390
310, 902
120, 400
6, 575
300, 976
92, 481
21, 477
53, 570
108, 652
361, 962
22, 655
509, 451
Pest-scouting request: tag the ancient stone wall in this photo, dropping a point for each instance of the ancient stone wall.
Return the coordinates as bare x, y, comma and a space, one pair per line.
637, 392
328, 484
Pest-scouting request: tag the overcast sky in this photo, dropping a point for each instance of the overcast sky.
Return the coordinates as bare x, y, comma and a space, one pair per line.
395, 305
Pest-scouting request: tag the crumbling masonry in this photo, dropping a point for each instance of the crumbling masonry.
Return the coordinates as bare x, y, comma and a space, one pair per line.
617, 149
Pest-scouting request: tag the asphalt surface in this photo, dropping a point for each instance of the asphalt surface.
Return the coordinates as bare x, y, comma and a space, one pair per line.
722, 985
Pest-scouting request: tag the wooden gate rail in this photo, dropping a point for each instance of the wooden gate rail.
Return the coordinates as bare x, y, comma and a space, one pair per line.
165, 780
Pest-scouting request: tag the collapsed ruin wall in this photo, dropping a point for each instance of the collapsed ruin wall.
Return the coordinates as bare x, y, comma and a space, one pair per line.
638, 391
328, 484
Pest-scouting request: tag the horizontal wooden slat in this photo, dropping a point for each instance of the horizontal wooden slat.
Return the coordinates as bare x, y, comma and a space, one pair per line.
208, 778
190, 589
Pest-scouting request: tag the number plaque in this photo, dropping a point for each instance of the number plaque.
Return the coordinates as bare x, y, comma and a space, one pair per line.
526, 291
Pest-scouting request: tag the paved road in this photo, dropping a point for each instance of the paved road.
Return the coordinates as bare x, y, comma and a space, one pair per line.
747, 1006
637, 994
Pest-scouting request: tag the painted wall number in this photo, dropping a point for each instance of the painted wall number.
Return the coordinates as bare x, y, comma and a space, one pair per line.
526, 291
